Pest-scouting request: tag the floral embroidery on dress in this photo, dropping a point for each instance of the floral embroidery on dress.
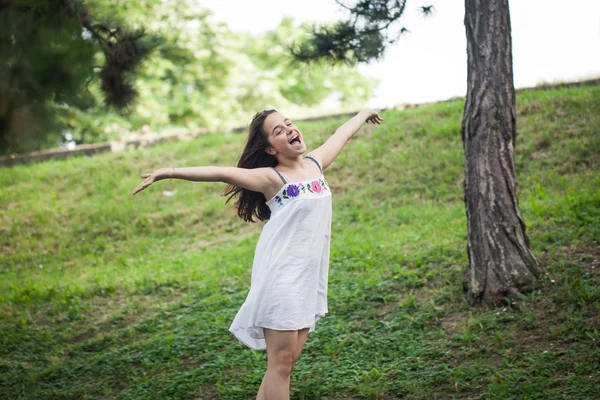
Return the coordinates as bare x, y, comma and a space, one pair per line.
299, 189
316, 186
279, 201
293, 191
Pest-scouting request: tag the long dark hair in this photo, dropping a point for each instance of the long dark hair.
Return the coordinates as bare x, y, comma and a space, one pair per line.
249, 203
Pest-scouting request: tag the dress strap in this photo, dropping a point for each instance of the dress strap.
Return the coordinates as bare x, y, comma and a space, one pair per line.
315, 161
281, 176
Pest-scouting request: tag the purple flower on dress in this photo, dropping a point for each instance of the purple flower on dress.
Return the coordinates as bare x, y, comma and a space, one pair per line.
293, 191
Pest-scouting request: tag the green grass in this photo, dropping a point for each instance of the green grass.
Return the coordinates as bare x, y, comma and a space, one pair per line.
107, 295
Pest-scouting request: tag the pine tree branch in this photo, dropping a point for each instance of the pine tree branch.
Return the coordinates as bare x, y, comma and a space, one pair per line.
363, 38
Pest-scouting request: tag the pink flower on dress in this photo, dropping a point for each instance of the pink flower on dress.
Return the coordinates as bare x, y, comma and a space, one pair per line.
316, 186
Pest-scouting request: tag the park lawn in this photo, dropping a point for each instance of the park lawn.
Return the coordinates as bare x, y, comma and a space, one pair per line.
108, 295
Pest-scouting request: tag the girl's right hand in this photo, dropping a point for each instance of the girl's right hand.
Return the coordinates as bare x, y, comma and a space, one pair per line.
371, 116
150, 179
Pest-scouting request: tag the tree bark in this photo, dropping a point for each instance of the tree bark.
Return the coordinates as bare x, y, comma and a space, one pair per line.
501, 263
5, 92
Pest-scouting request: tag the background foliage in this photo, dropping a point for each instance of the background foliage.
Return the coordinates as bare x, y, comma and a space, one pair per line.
199, 74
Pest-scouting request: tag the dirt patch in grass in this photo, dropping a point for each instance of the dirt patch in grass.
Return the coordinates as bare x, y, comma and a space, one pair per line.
188, 362
386, 309
206, 392
454, 323
537, 338
549, 313
102, 315
586, 257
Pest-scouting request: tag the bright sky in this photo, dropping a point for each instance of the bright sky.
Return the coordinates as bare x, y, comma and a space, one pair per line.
552, 40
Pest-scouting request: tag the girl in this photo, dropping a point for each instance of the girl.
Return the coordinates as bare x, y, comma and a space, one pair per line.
288, 291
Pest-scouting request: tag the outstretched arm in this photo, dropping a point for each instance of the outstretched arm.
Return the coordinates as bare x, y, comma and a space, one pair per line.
328, 151
256, 179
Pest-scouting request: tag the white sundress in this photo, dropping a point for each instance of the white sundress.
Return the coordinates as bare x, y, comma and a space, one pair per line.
288, 288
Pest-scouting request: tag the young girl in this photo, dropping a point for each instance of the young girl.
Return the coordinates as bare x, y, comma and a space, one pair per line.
288, 290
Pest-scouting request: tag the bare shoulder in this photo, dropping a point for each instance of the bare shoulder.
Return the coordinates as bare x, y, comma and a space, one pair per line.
315, 154
275, 183
271, 179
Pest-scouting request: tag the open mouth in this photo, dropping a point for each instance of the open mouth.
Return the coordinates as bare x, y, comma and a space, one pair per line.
295, 139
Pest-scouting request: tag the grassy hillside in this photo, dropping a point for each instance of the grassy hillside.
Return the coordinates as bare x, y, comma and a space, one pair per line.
108, 295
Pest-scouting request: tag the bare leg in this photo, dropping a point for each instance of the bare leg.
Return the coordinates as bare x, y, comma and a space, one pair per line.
281, 348
261, 391
302, 337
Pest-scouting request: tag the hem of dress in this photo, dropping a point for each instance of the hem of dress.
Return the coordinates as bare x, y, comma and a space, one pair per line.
244, 342
245, 328
289, 329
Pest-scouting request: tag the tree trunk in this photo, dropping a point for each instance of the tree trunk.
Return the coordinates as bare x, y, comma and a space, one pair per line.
5, 92
501, 263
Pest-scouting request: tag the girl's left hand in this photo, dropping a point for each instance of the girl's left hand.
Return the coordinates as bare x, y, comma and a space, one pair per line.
159, 174
371, 116
149, 180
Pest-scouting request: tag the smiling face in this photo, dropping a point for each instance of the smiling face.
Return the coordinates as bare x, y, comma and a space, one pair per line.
285, 137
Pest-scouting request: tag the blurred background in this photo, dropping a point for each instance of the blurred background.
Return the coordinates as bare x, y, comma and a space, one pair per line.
94, 71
